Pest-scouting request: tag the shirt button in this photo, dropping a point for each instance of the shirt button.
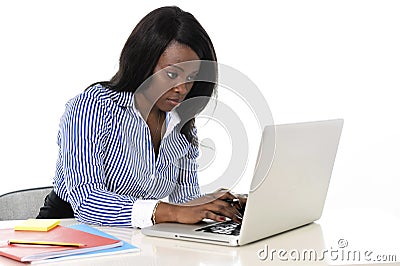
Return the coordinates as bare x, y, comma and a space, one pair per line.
140, 197
152, 177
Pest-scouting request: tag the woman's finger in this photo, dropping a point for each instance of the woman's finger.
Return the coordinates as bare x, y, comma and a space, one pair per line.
224, 195
213, 216
223, 208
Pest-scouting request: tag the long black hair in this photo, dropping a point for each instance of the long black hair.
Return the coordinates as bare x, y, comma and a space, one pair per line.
148, 41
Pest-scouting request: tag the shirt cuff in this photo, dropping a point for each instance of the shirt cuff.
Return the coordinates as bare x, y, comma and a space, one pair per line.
142, 212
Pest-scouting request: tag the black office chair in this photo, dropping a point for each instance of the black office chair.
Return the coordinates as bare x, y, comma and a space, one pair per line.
22, 204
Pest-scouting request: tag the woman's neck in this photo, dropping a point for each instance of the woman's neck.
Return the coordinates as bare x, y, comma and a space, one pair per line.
145, 107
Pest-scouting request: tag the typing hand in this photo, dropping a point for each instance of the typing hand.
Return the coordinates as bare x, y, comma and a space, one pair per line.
217, 206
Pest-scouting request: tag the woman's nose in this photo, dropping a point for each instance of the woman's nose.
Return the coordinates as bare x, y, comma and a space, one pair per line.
181, 88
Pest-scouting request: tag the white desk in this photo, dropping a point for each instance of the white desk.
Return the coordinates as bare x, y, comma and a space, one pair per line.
364, 231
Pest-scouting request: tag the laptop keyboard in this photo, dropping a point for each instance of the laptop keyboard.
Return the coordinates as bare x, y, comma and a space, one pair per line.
224, 228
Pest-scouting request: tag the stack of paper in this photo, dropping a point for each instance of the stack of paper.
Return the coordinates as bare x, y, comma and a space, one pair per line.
88, 240
124, 248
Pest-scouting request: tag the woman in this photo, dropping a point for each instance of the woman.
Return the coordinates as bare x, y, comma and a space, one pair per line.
127, 143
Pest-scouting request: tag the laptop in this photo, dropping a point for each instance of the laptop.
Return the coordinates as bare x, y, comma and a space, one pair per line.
288, 193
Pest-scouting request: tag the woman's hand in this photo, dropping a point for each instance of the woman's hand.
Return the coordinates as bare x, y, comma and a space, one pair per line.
216, 206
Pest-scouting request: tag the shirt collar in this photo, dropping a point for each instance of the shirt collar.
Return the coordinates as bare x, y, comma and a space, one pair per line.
171, 119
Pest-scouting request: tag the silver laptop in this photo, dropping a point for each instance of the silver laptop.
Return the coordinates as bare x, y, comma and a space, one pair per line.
288, 193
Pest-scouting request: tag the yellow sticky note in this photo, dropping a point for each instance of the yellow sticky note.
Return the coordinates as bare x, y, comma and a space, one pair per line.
37, 225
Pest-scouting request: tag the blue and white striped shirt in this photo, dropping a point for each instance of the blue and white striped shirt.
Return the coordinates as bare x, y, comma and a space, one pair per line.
106, 166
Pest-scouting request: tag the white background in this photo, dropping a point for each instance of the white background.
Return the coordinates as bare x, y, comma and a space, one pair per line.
313, 60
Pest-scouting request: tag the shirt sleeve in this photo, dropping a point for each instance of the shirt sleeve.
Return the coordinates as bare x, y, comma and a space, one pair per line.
187, 187
83, 133
142, 213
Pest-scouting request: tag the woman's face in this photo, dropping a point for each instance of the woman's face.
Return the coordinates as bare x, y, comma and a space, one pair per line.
173, 77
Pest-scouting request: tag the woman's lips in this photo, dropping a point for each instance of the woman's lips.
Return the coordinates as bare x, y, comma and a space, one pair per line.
173, 101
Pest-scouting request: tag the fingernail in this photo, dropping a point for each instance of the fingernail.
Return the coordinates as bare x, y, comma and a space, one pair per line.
222, 219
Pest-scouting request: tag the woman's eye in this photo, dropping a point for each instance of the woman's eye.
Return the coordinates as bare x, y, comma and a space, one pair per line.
191, 78
172, 75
